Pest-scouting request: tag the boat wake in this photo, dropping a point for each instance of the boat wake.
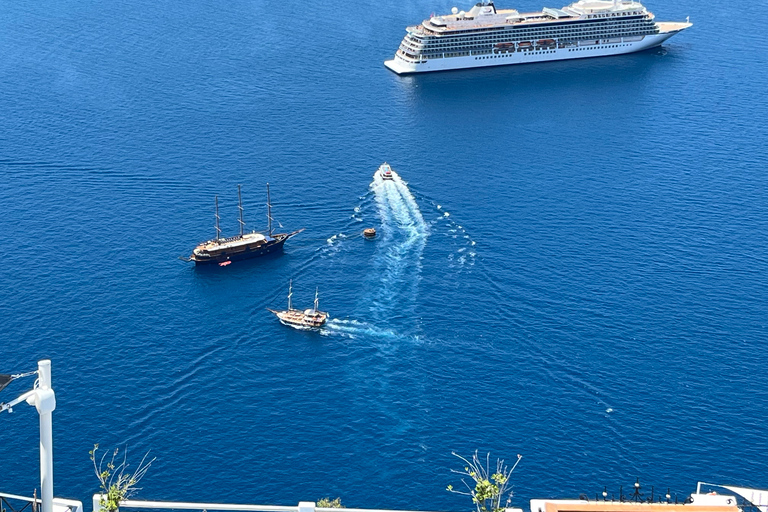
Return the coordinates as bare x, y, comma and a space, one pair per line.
451, 236
463, 251
396, 263
352, 329
394, 269
335, 243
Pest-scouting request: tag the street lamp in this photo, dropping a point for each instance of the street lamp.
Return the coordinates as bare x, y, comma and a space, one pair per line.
44, 400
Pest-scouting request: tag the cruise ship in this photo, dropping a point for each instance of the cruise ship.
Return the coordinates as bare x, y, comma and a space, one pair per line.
486, 36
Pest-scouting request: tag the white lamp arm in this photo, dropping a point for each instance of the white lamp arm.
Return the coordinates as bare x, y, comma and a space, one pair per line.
26, 396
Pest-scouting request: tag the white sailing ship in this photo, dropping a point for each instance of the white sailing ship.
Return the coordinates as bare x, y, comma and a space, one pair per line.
304, 319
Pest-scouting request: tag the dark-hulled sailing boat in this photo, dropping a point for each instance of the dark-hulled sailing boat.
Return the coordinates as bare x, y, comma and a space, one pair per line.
243, 246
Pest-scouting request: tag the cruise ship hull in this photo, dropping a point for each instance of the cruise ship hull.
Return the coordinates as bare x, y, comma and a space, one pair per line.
584, 49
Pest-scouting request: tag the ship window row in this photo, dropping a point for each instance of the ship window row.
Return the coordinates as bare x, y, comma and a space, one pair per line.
539, 31
603, 21
502, 30
506, 34
530, 35
480, 50
585, 35
481, 55
612, 14
581, 49
488, 33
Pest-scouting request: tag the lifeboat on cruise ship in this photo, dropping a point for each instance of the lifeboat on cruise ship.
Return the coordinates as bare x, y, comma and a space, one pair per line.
546, 43
504, 46
525, 45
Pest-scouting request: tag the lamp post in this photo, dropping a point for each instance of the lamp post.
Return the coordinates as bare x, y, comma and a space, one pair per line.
45, 403
44, 400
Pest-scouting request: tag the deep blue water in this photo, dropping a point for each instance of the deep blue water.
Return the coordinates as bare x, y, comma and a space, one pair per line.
604, 248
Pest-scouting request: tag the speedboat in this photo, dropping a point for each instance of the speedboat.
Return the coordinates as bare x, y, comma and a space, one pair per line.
386, 172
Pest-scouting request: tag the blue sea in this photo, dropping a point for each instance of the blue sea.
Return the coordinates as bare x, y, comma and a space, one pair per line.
573, 267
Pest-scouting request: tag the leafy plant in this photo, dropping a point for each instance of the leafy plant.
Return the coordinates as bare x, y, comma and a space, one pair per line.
117, 483
329, 503
487, 489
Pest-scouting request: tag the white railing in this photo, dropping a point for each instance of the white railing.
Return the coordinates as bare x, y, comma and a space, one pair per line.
58, 505
303, 506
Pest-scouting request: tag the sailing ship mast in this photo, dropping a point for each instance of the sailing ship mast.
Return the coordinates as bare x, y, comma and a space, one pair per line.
269, 213
316, 300
290, 292
218, 229
240, 207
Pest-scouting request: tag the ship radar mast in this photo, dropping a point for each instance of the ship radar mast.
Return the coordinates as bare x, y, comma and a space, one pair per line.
240, 207
218, 229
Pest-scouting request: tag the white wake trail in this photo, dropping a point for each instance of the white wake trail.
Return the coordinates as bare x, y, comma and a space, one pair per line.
397, 263
352, 328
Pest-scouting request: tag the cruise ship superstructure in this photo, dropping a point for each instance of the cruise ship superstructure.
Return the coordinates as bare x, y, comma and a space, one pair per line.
486, 36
